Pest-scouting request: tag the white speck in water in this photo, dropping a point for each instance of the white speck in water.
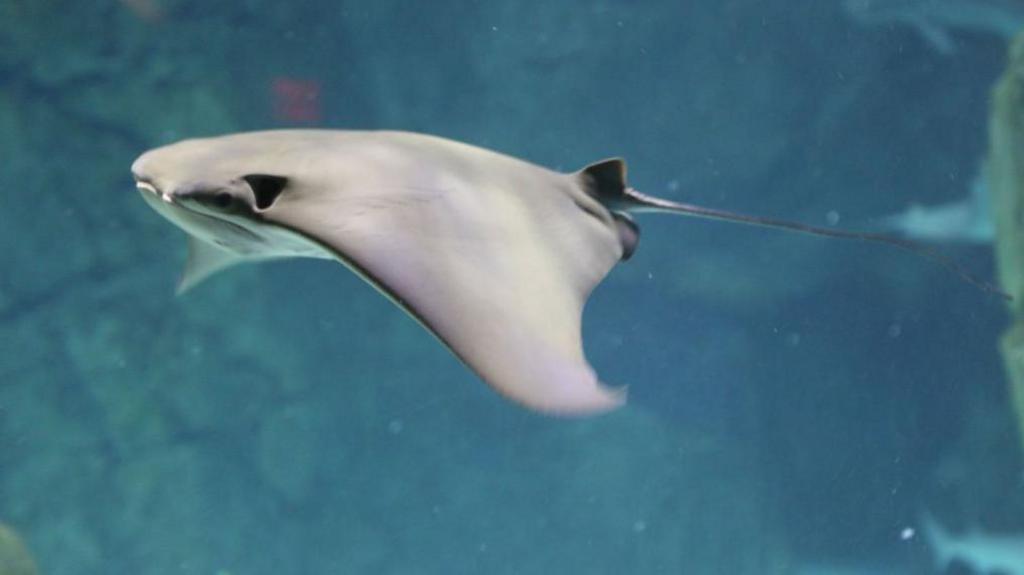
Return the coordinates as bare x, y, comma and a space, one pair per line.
494, 28
894, 330
639, 526
832, 217
907, 533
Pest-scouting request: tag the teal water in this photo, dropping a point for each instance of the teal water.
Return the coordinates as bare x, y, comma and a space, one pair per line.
796, 404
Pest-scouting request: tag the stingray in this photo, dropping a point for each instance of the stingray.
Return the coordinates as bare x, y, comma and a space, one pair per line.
493, 255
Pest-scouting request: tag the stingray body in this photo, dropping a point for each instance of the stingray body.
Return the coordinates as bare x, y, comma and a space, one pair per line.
493, 255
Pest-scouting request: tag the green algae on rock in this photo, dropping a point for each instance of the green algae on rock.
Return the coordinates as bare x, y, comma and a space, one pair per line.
1006, 180
14, 556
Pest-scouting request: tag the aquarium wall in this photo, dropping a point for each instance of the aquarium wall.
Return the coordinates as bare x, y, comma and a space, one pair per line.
795, 404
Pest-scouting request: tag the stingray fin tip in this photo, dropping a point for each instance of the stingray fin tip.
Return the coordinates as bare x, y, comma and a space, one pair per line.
603, 400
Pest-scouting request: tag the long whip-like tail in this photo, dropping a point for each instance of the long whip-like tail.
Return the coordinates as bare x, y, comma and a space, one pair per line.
639, 202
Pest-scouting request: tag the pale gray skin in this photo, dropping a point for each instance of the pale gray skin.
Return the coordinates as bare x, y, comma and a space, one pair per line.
493, 255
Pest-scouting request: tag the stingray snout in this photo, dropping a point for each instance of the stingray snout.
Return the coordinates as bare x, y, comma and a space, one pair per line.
139, 171
144, 182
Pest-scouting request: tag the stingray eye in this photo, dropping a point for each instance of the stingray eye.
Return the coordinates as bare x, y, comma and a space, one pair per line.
222, 200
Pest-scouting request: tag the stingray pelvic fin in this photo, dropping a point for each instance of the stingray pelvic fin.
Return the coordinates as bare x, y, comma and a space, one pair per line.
204, 260
629, 234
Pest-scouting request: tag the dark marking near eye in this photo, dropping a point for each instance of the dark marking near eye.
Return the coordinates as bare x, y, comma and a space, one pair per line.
266, 188
223, 200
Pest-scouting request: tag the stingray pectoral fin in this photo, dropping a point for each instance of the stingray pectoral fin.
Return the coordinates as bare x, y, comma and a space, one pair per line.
504, 294
521, 333
204, 260
537, 364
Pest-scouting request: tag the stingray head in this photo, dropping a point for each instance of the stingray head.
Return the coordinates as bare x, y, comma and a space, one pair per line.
210, 194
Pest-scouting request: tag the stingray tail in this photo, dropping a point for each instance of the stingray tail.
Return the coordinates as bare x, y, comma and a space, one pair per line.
606, 182
638, 202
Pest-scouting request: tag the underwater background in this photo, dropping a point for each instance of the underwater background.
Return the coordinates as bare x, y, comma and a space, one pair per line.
796, 404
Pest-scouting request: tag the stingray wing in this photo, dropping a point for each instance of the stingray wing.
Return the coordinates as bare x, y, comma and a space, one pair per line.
499, 275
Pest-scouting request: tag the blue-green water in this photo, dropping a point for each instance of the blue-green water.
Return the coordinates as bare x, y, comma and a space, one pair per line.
795, 403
